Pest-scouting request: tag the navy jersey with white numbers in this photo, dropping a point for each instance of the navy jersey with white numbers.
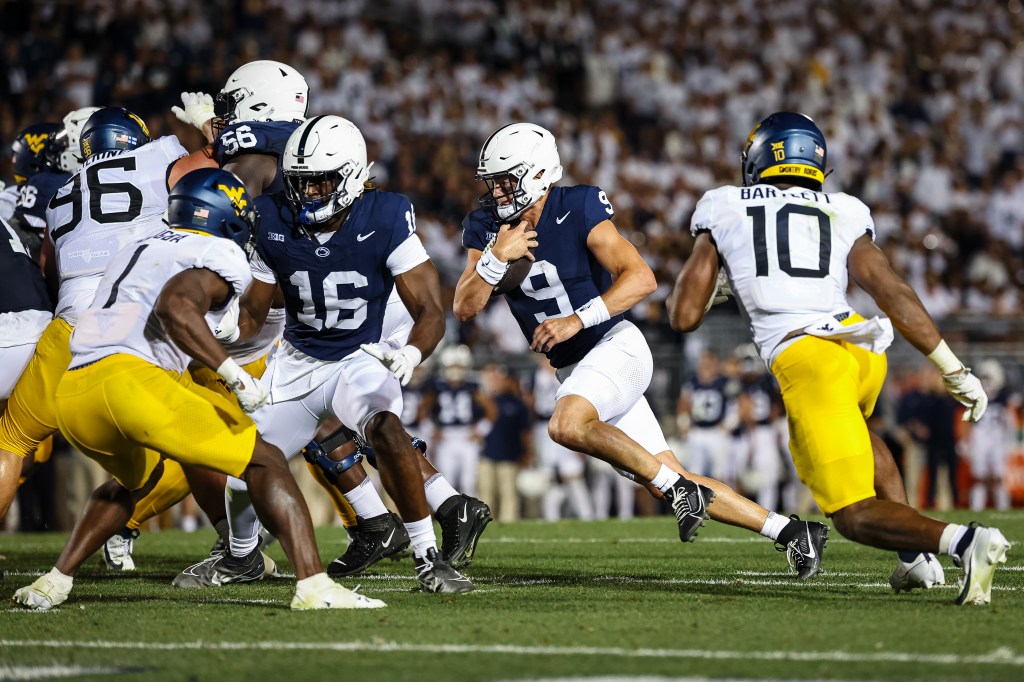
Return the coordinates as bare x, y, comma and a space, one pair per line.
454, 404
335, 292
21, 281
762, 392
707, 401
255, 137
565, 274
34, 196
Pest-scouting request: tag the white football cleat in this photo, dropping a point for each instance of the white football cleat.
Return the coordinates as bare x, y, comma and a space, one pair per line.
923, 572
327, 594
987, 550
117, 550
42, 595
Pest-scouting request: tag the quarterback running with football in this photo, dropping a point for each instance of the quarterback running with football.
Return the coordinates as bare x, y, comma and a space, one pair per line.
788, 249
584, 276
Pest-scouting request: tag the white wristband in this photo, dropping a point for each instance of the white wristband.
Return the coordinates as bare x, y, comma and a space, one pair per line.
490, 269
943, 358
229, 370
593, 312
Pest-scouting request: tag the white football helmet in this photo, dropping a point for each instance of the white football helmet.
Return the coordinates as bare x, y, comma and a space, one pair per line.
65, 149
456, 362
521, 159
992, 376
327, 150
263, 90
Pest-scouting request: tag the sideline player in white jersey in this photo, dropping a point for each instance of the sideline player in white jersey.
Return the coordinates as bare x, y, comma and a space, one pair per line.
338, 249
990, 441
788, 249
583, 278
117, 198
127, 395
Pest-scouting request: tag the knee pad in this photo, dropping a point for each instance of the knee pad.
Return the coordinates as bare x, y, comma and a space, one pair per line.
371, 457
314, 454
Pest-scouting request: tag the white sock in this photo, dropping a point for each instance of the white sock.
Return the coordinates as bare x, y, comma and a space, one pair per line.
664, 479
950, 538
365, 500
421, 535
438, 491
773, 525
59, 579
244, 524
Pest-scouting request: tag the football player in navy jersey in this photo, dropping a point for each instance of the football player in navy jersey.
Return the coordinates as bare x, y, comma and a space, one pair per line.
39, 177
338, 248
701, 416
584, 276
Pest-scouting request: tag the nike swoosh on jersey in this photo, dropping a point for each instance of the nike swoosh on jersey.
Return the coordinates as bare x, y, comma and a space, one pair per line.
559, 221
361, 237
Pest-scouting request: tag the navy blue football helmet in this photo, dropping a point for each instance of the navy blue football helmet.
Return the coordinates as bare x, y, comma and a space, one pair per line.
28, 151
212, 201
112, 128
788, 146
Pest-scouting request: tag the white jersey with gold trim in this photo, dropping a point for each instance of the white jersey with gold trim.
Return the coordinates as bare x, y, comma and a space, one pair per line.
785, 253
121, 319
116, 199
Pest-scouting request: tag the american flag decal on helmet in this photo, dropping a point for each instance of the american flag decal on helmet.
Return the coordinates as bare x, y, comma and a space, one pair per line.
200, 215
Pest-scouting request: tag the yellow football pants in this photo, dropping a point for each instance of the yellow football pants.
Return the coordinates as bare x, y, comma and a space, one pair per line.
829, 389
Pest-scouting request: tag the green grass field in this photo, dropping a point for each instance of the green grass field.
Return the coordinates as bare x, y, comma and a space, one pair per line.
606, 600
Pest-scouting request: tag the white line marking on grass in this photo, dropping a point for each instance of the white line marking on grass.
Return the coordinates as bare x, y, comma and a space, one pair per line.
1000, 656
611, 541
25, 672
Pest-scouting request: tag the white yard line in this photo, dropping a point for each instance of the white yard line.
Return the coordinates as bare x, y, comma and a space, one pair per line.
1002, 656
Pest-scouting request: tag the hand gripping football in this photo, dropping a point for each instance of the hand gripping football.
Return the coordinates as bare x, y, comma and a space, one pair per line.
517, 271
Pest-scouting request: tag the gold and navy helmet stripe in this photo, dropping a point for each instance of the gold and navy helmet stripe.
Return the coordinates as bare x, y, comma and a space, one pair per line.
798, 169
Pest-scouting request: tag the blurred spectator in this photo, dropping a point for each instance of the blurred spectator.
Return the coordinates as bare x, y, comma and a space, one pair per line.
507, 447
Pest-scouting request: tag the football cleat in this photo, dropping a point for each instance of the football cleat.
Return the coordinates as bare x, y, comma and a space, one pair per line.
324, 593
986, 550
117, 551
462, 519
804, 543
690, 505
42, 595
435, 575
370, 541
215, 571
924, 572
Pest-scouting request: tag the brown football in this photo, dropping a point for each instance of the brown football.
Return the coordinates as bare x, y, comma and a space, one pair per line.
514, 276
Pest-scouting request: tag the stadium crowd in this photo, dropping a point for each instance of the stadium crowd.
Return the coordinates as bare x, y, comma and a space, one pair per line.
649, 101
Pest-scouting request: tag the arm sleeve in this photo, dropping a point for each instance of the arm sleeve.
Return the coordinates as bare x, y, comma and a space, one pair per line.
228, 260
703, 215
260, 270
408, 255
596, 209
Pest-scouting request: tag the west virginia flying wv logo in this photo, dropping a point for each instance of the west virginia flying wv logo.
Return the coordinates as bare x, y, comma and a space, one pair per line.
36, 142
235, 195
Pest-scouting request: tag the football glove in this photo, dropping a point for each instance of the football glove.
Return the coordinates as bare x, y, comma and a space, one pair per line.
721, 293
227, 330
400, 362
198, 109
250, 392
966, 389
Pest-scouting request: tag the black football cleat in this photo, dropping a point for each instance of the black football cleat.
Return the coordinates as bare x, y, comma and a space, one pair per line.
804, 543
462, 520
689, 502
372, 539
435, 575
